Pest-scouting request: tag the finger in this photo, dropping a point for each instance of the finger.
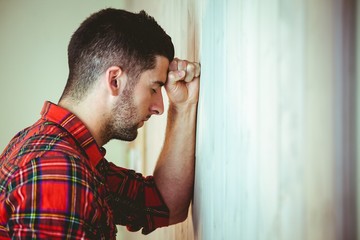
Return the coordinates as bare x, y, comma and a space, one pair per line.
197, 69
190, 72
175, 76
173, 66
182, 64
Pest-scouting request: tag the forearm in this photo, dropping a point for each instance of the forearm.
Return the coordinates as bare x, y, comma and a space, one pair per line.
174, 172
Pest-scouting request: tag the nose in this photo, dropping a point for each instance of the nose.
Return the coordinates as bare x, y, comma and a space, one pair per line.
157, 107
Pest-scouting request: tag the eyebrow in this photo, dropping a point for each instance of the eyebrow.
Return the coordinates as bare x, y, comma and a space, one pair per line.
160, 83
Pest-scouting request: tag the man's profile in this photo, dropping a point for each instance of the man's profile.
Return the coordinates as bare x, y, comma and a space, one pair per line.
55, 182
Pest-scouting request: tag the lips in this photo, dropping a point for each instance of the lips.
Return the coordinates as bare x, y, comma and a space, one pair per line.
141, 123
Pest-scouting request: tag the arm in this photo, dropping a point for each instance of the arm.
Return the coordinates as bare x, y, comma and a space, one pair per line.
137, 203
174, 171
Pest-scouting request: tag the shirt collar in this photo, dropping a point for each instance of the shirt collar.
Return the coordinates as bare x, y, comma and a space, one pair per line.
66, 119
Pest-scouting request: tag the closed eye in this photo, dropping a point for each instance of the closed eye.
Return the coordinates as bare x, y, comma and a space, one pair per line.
157, 85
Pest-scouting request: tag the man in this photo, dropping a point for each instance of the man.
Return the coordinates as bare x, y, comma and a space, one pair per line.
54, 179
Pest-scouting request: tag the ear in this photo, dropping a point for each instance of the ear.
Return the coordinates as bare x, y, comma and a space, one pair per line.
116, 80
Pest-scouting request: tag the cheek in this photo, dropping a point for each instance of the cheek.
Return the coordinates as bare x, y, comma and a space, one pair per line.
142, 102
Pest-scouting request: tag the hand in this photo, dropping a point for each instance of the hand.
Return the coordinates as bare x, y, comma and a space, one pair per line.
182, 85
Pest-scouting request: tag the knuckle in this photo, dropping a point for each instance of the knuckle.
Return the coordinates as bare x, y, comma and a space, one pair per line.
171, 75
191, 66
182, 64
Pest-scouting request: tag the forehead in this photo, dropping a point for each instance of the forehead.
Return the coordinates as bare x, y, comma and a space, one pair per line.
159, 73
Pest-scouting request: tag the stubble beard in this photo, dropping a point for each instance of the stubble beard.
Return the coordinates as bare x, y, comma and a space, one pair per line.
123, 121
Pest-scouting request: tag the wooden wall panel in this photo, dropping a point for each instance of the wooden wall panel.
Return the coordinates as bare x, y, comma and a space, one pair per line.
270, 122
178, 18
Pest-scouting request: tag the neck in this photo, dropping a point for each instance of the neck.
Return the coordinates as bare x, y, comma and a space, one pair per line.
91, 113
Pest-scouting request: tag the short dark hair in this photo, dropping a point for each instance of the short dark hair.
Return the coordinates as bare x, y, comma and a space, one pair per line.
114, 37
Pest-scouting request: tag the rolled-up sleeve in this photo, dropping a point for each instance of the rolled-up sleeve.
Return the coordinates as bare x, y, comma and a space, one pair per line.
136, 201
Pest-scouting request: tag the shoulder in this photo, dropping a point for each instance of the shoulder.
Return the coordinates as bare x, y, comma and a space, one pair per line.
42, 151
43, 139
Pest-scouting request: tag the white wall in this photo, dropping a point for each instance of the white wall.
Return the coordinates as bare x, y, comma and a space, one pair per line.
273, 118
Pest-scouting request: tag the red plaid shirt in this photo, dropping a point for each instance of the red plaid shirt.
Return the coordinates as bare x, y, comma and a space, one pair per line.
56, 183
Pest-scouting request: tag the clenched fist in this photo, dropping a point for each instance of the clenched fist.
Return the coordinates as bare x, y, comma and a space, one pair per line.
182, 85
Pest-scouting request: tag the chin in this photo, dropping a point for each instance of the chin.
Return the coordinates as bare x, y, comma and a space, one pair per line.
124, 133
129, 136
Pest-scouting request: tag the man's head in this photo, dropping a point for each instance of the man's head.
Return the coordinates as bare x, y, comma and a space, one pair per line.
117, 63
136, 105
113, 37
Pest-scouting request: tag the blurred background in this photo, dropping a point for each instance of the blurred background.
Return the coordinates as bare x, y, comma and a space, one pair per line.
278, 116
